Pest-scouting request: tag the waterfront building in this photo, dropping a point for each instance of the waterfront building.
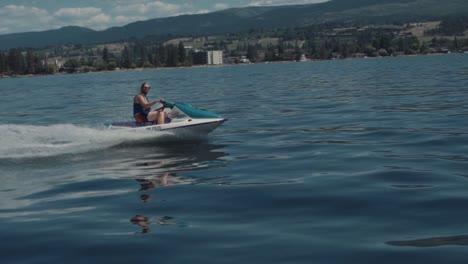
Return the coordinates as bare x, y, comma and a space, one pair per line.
212, 57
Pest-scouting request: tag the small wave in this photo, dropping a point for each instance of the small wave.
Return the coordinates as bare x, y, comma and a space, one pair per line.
32, 141
461, 240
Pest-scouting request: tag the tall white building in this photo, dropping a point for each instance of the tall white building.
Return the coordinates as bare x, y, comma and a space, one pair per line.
212, 57
215, 57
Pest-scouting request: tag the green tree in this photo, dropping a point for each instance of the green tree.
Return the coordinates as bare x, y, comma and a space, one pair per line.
3, 63
413, 43
84, 61
370, 50
156, 60
71, 65
105, 55
99, 66
30, 62
385, 42
347, 48
190, 58
423, 49
297, 52
163, 54
143, 56
150, 58
147, 64
252, 53
126, 58
111, 66
269, 55
16, 61
402, 45
172, 56
182, 54
455, 44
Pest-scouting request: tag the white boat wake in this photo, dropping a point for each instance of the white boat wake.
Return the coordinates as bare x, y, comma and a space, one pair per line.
32, 141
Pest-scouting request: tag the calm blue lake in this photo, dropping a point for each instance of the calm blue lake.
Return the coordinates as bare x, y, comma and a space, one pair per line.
352, 161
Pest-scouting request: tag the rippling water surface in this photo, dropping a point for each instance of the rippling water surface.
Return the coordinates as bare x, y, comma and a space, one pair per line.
354, 161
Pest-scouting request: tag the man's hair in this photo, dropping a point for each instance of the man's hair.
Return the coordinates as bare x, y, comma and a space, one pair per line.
143, 85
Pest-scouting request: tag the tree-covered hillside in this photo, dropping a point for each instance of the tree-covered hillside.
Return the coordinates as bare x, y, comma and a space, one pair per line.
345, 12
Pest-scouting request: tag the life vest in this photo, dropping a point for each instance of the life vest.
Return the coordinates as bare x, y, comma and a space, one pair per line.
139, 112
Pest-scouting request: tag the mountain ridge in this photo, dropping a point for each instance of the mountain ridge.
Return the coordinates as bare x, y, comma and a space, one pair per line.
243, 19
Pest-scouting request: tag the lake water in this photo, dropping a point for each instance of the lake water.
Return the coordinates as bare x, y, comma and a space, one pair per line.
352, 161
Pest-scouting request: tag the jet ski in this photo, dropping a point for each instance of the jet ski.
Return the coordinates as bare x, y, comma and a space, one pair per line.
182, 120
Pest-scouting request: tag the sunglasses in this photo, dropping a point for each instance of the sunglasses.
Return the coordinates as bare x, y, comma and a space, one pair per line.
147, 87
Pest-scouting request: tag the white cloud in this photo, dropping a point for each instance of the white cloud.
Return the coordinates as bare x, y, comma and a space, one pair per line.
145, 10
221, 6
284, 2
79, 12
120, 20
91, 17
261, 3
198, 12
142, 10
20, 18
101, 21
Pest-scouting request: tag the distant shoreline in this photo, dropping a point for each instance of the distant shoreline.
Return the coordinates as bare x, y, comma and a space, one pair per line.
4, 76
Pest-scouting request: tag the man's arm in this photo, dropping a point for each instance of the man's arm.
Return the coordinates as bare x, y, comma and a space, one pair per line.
142, 101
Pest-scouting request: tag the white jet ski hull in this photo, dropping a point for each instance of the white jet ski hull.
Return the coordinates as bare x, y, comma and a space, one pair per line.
178, 127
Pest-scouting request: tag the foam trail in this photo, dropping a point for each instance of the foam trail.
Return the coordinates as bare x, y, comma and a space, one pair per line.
29, 141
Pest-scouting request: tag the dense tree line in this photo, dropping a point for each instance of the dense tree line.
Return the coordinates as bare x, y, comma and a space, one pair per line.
17, 61
134, 55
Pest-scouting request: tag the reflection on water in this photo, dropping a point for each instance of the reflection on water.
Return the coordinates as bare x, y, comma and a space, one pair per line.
461, 240
147, 185
145, 197
141, 221
162, 166
154, 161
145, 222
161, 180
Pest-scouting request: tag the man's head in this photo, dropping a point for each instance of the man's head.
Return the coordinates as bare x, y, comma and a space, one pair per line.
145, 87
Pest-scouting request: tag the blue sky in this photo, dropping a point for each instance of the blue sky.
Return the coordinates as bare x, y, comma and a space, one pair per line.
39, 15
